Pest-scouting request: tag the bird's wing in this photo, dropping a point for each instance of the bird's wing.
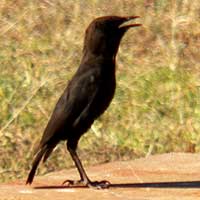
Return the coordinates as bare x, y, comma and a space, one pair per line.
71, 106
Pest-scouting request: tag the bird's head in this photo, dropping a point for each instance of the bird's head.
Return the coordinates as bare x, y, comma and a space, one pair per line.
104, 34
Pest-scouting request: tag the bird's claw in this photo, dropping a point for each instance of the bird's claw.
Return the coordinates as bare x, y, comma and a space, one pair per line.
73, 183
95, 184
99, 184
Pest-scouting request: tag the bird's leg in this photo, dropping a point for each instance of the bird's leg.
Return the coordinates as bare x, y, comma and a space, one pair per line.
84, 181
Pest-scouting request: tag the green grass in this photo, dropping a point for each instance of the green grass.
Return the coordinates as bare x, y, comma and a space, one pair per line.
156, 108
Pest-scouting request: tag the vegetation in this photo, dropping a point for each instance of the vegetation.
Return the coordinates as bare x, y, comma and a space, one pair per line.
156, 108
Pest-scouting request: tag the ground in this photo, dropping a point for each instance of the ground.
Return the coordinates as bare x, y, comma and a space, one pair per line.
167, 176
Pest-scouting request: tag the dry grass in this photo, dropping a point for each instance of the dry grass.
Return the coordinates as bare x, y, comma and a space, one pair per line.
157, 103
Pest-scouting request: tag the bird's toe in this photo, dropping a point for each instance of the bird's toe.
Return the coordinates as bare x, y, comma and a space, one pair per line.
75, 183
99, 184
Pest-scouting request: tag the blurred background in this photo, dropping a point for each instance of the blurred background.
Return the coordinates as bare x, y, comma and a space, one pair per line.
156, 108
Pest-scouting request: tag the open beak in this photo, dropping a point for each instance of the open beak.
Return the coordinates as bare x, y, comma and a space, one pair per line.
127, 26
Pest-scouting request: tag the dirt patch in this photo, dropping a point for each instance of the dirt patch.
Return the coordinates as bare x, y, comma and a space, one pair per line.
167, 176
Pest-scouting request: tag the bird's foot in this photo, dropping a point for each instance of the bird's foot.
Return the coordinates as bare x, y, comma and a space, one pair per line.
95, 184
99, 184
76, 183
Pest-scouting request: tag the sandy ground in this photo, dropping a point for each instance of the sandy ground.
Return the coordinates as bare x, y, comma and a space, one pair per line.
167, 176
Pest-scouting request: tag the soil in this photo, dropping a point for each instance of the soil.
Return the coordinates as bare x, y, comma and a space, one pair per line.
167, 176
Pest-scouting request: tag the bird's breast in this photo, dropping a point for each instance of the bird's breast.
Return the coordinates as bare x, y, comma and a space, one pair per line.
104, 95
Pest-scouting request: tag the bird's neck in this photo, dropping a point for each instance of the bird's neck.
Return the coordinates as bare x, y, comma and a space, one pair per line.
102, 61
98, 56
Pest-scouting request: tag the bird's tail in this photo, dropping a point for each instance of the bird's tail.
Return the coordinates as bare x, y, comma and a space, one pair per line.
36, 162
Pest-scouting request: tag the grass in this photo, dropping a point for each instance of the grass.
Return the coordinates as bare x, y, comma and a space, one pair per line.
156, 108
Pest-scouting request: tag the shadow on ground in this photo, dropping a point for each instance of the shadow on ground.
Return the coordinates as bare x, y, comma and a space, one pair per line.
181, 184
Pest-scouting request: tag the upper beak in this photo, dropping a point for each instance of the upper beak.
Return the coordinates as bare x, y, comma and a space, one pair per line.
129, 25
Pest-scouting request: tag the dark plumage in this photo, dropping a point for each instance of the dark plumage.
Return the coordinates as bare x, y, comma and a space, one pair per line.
87, 95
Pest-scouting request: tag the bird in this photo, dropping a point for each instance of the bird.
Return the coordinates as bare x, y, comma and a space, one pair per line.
87, 95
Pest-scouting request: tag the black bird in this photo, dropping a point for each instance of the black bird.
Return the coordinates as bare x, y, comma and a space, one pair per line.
87, 95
